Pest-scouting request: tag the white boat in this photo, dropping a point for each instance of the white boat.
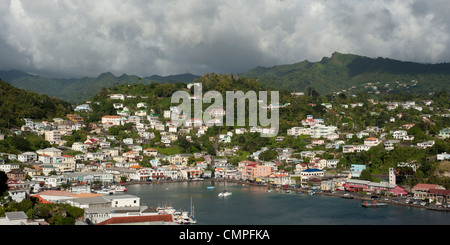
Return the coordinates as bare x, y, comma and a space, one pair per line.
111, 190
179, 217
184, 218
166, 210
105, 191
225, 194
118, 188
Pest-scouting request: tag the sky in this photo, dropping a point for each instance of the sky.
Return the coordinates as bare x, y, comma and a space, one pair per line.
78, 38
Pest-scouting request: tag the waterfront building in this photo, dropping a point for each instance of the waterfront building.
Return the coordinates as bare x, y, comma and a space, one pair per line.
256, 170
309, 173
421, 190
354, 185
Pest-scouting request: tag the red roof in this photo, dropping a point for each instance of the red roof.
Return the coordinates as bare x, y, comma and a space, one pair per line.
40, 199
137, 219
440, 192
424, 187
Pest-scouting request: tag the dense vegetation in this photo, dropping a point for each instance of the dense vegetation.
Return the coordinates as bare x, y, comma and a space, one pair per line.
76, 90
343, 71
340, 71
16, 104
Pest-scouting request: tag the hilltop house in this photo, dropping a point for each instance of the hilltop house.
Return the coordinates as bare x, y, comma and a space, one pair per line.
111, 120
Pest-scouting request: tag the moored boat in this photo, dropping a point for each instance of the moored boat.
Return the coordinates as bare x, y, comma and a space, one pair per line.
105, 191
374, 204
118, 188
225, 194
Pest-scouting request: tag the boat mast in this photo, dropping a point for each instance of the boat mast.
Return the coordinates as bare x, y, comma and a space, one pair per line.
192, 209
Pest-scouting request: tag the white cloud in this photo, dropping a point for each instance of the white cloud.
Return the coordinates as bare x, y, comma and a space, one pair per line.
82, 37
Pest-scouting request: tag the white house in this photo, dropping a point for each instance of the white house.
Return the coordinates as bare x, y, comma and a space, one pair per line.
111, 120
425, 144
443, 156
399, 134
8, 167
371, 141
27, 157
297, 131
117, 97
320, 130
150, 152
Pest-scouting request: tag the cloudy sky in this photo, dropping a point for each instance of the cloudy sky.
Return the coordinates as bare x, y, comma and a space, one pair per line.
76, 38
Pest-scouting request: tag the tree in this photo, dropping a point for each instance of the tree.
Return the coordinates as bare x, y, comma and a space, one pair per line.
365, 175
268, 155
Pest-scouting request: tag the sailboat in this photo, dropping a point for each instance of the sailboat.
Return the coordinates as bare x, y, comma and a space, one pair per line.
225, 193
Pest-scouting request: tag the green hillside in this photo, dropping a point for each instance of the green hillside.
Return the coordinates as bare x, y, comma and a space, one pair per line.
336, 73
343, 71
16, 104
77, 90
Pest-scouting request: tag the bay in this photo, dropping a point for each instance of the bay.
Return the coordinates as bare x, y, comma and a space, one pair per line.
253, 205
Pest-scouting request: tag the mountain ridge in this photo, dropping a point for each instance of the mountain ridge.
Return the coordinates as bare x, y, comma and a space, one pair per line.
76, 90
340, 72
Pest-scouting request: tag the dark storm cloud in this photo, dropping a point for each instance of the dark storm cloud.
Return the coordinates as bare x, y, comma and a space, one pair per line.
84, 38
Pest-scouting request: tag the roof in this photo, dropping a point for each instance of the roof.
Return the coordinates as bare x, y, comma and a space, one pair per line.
137, 219
440, 192
425, 186
52, 149
92, 200
16, 215
84, 195
55, 193
40, 199
371, 138
312, 170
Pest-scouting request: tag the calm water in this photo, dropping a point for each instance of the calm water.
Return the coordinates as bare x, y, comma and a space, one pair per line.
252, 205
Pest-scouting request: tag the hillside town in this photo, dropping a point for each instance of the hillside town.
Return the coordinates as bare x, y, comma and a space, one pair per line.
136, 145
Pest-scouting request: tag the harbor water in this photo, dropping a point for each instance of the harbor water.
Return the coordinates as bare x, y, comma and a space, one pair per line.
254, 205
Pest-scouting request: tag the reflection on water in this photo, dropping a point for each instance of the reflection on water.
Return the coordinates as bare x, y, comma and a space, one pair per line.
253, 205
